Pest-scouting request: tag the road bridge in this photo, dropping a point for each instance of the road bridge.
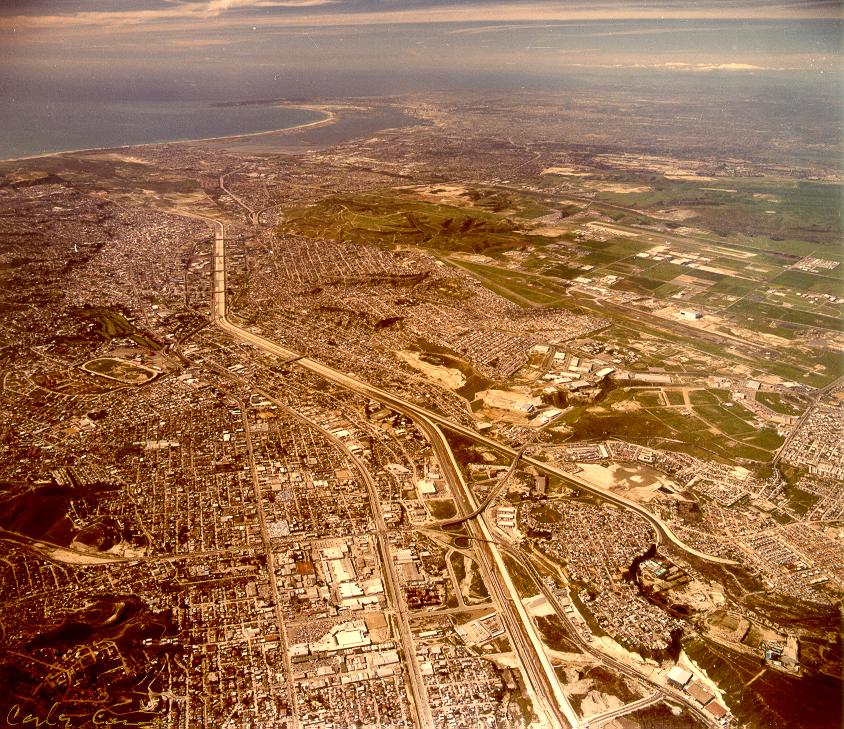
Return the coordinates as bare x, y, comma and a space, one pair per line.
548, 697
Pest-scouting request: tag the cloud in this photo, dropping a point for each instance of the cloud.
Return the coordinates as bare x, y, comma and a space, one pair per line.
685, 66
200, 42
368, 12
450, 33
733, 67
215, 8
506, 28
585, 30
174, 11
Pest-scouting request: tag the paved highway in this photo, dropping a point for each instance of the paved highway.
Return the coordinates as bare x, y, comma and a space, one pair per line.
395, 601
484, 505
573, 633
599, 719
254, 215
550, 701
415, 411
548, 697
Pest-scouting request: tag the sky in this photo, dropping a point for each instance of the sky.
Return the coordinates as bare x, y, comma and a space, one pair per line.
239, 49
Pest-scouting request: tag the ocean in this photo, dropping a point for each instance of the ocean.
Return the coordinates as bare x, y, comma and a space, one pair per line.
32, 128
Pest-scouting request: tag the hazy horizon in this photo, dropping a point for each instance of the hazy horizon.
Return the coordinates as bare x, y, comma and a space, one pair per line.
82, 56
241, 49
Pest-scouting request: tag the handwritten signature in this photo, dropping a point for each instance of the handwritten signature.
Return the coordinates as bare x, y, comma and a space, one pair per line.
16, 717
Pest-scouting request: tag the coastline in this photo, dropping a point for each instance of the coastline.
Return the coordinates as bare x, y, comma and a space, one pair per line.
329, 118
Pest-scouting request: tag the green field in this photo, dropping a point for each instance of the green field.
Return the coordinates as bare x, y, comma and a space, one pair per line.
709, 397
111, 324
675, 397
815, 283
748, 308
441, 508
775, 698
459, 567
649, 398
529, 287
525, 584
523, 289
790, 216
120, 370
400, 217
712, 430
784, 404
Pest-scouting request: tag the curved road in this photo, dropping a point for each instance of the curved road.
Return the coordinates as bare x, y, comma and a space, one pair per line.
484, 505
549, 699
417, 412
665, 692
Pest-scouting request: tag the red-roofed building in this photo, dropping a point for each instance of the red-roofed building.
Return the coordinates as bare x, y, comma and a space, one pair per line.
718, 712
699, 693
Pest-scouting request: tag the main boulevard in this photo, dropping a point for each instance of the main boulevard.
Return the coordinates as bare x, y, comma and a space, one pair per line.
417, 412
548, 697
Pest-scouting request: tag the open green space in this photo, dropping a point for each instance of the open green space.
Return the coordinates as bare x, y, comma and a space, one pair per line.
525, 584
799, 500
712, 430
120, 176
441, 508
666, 271
675, 397
723, 418
120, 370
748, 309
459, 566
649, 398
112, 324
613, 249
477, 588
765, 438
680, 420
810, 282
774, 698
776, 212
498, 200
555, 634
439, 355
708, 397
780, 403
400, 217
532, 289
545, 514
518, 287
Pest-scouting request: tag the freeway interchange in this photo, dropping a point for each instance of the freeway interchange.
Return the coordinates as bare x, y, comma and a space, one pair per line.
547, 695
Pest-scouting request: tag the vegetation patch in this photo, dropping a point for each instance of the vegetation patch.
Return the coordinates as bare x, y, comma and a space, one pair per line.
112, 324
400, 217
114, 368
442, 508
675, 397
656, 425
525, 585
772, 699
783, 404
555, 634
